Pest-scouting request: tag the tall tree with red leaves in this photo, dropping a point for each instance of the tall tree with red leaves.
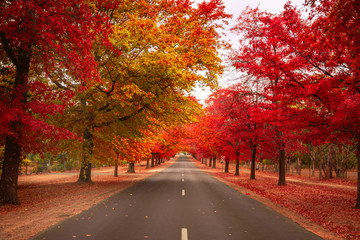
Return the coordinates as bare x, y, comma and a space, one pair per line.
312, 68
37, 37
237, 113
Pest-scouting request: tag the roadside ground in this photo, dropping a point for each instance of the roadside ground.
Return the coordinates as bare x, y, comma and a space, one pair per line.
323, 207
49, 198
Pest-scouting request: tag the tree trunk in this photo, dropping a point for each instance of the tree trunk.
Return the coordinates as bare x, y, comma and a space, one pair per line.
320, 169
131, 168
331, 157
282, 181
88, 145
313, 167
85, 172
210, 162
152, 160
116, 168
9, 176
287, 165
357, 205
227, 163
214, 163
147, 163
253, 157
237, 170
312, 163
298, 166
10, 171
340, 166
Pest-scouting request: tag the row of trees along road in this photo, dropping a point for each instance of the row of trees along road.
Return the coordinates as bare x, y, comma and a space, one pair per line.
301, 86
102, 77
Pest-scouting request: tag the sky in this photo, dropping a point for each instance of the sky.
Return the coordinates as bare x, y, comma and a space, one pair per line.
235, 7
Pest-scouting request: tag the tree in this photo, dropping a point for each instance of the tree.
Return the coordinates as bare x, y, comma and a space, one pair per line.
36, 38
207, 140
314, 73
133, 150
160, 47
337, 22
235, 112
265, 55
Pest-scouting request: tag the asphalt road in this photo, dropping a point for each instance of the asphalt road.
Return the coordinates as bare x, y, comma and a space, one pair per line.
180, 203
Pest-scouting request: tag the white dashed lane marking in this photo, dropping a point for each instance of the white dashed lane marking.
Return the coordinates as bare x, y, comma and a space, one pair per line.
184, 234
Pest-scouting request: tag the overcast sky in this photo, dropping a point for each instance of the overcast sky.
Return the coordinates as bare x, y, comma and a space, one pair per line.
235, 7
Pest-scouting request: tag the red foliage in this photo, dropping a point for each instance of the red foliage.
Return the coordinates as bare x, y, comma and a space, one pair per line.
45, 37
308, 69
37, 39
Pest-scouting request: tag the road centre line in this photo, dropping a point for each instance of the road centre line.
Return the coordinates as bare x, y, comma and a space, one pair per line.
183, 192
184, 234
182, 180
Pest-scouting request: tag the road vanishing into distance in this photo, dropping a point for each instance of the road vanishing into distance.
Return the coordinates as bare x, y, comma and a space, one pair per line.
179, 203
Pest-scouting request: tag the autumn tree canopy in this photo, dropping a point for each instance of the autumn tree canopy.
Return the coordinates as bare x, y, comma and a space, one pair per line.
306, 71
38, 38
113, 79
112, 68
